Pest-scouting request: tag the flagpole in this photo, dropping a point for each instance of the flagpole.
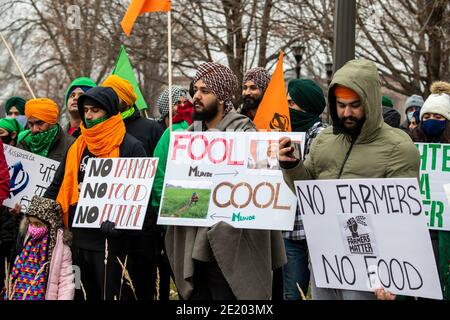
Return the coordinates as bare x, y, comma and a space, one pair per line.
18, 67
169, 57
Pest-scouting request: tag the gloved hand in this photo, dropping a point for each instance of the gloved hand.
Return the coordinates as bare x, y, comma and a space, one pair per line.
108, 228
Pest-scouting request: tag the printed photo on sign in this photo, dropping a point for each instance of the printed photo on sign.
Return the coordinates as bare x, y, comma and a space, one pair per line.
357, 234
186, 199
263, 155
30, 175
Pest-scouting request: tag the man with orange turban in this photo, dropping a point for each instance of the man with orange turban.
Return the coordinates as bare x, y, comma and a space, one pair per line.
144, 244
45, 136
359, 145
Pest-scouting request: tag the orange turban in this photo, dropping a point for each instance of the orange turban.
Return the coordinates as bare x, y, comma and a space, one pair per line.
43, 109
345, 93
122, 88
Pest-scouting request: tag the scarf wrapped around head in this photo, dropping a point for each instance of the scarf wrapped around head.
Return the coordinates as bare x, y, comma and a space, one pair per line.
48, 211
220, 80
259, 76
103, 141
43, 109
184, 113
17, 102
163, 100
123, 88
11, 125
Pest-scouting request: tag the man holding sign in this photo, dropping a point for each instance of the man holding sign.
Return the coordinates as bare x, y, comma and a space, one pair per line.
358, 145
222, 262
103, 135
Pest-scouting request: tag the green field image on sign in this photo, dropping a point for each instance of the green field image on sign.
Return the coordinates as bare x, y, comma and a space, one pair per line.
185, 202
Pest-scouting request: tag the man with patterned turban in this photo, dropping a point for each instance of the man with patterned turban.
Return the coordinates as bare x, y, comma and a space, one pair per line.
144, 243
179, 97
45, 136
254, 86
75, 90
218, 262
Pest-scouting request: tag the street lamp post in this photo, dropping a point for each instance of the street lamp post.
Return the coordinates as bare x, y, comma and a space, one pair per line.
298, 55
329, 70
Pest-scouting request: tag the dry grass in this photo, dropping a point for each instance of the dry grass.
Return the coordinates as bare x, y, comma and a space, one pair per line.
106, 264
126, 274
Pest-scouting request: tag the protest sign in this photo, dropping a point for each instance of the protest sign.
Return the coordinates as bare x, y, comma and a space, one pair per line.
30, 174
227, 176
367, 234
434, 183
116, 190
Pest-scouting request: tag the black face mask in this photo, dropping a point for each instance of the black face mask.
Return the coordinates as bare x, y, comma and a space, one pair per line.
7, 139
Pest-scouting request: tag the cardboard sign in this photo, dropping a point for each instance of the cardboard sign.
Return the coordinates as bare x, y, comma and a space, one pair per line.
367, 234
116, 190
30, 175
435, 183
227, 176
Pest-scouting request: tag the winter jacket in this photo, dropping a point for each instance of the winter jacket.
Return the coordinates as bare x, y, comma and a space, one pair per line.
246, 257
60, 281
58, 151
86, 238
4, 176
146, 131
379, 151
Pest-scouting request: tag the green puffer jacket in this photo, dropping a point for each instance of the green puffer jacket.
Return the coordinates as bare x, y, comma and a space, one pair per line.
380, 151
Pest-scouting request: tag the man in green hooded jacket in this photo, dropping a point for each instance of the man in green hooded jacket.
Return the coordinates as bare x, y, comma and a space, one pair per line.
358, 145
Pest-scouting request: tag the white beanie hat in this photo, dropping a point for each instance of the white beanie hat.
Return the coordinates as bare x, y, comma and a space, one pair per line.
439, 100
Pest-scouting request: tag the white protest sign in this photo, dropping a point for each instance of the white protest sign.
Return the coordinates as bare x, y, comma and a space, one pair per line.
30, 175
434, 179
227, 176
117, 190
367, 234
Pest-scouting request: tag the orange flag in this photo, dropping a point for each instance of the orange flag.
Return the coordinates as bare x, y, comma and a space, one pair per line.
273, 111
138, 7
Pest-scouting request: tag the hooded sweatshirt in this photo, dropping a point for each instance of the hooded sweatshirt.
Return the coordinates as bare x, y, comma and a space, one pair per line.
379, 151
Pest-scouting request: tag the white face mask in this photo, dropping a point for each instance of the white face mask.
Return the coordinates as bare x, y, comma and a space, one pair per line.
22, 120
410, 115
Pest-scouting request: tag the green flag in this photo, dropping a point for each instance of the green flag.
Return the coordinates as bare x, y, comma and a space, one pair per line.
124, 70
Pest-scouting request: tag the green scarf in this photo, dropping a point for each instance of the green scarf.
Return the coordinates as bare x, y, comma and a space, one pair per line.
128, 113
40, 143
302, 121
91, 123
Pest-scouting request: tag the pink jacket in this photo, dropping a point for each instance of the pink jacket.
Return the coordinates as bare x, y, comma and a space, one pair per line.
4, 176
61, 279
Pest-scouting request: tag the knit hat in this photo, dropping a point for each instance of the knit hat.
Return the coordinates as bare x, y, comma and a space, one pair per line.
163, 100
84, 83
48, 211
386, 102
259, 76
438, 101
43, 109
122, 87
413, 101
17, 102
307, 95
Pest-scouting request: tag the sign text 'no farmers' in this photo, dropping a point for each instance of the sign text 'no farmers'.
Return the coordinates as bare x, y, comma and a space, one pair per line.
116, 190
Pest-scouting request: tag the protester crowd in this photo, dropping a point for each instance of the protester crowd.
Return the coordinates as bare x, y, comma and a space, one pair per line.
365, 139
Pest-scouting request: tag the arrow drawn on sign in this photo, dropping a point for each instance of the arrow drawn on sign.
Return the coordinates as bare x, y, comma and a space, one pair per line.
215, 216
227, 173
